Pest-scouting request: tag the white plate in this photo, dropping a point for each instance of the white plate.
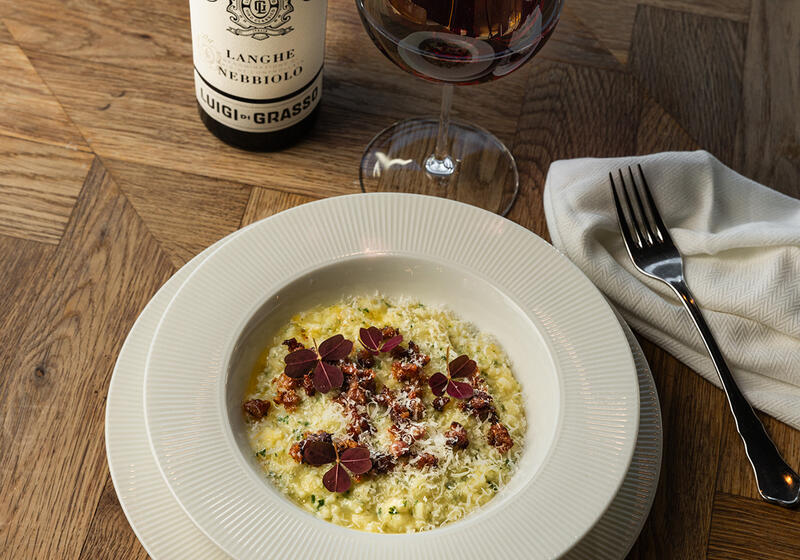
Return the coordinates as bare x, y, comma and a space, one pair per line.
616, 532
570, 355
166, 532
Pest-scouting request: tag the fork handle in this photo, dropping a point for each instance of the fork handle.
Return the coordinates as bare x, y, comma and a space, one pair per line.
777, 482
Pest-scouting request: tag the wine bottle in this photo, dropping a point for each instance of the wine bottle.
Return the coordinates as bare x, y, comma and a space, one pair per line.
258, 68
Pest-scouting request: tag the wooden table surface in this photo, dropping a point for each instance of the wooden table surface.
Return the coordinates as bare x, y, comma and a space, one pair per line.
109, 183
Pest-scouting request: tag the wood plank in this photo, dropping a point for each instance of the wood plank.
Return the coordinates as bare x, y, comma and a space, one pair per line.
110, 536
39, 184
30, 110
769, 136
612, 23
131, 117
697, 78
5, 36
105, 269
185, 212
148, 34
734, 10
567, 113
692, 411
23, 268
743, 528
264, 203
573, 42
659, 132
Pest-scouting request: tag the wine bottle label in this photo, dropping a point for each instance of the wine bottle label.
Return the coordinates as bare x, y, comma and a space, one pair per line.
258, 63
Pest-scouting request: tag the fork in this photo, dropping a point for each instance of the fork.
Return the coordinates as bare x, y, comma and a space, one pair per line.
653, 253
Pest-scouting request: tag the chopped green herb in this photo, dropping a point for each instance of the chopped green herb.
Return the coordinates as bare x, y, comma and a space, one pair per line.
450, 484
262, 453
392, 510
421, 305
365, 310
507, 463
319, 503
405, 503
379, 511
305, 423
491, 485
495, 363
283, 419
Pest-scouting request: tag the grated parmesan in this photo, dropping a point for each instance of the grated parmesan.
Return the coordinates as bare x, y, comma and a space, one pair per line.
406, 499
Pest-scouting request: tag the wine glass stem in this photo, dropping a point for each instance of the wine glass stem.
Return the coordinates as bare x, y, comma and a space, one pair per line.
439, 163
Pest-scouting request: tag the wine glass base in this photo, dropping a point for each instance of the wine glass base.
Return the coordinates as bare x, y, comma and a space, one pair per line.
478, 170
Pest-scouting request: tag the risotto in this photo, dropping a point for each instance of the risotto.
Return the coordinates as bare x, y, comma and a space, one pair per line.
385, 415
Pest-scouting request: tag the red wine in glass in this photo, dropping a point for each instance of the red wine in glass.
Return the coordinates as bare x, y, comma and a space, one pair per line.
460, 42
451, 42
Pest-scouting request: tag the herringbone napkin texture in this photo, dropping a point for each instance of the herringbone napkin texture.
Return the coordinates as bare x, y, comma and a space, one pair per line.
741, 246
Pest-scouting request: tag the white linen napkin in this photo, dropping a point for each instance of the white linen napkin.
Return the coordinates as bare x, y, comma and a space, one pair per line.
741, 246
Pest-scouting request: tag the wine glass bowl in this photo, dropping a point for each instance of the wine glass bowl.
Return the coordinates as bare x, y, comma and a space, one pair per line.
451, 42
459, 43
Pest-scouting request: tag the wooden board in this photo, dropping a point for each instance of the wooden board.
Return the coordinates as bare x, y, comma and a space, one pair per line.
697, 78
105, 269
768, 139
185, 212
109, 182
30, 111
39, 185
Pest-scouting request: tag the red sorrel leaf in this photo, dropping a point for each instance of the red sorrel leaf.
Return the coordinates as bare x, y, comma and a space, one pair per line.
336, 479
371, 339
327, 377
391, 343
459, 389
299, 362
319, 453
335, 348
356, 459
438, 382
462, 367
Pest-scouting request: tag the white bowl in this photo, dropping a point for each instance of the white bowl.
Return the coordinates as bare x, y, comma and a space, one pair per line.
569, 354
432, 282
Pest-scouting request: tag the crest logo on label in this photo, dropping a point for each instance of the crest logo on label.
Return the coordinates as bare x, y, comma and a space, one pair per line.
260, 19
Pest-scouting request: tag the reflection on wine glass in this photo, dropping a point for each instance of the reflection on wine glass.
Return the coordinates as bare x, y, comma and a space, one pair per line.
452, 42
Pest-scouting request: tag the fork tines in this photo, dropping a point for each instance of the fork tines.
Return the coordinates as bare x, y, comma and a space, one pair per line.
640, 227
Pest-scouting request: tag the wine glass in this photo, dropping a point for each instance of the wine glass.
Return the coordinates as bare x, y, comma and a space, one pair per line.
452, 42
